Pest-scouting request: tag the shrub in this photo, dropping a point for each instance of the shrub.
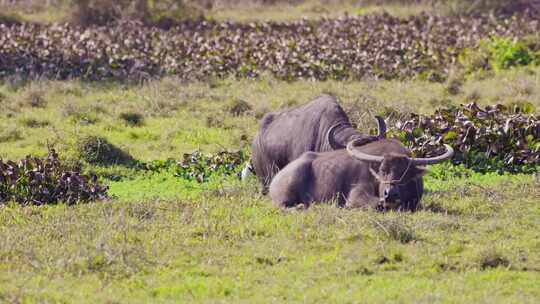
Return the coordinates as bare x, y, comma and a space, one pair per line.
506, 53
238, 107
497, 138
132, 119
99, 151
371, 46
199, 167
39, 181
491, 258
498, 53
453, 86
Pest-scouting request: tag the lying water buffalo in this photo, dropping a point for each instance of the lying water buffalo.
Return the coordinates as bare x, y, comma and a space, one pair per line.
318, 126
380, 175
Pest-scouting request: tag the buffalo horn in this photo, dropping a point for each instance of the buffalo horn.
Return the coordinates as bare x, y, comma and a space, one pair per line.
382, 127
434, 160
335, 146
330, 136
416, 161
361, 155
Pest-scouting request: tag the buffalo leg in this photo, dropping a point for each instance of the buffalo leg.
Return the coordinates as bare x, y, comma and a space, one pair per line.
361, 196
289, 187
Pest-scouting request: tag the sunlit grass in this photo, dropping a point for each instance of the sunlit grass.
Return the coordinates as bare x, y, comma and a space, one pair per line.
165, 239
226, 242
180, 117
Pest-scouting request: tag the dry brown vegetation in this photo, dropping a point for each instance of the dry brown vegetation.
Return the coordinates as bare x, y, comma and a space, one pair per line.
165, 13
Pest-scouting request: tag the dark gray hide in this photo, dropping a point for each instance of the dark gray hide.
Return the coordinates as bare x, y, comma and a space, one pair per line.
339, 175
284, 136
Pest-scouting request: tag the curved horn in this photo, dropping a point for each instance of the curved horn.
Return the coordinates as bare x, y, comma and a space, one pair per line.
330, 137
382, 127
434, 160
336, 146
361, 155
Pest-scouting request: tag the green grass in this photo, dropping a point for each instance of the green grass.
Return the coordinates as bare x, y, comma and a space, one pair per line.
179, 117
164, 239
469, 244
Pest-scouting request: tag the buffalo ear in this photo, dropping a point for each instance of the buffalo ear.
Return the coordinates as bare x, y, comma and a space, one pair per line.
420, 171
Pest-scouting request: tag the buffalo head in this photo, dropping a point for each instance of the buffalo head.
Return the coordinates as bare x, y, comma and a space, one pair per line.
397, 174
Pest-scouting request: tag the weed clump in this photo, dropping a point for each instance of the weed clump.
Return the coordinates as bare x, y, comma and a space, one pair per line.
132, 119
10, 134
213, 121
491, 258
34, 123
34, 96
473, 96
99, 151
397, 229
499, 53
40, 181
499, 138
80, 115
238, 107
507, 53
453, 86
200, 167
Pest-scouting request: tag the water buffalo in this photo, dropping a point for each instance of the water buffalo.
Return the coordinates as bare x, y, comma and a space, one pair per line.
380, 175
318, 126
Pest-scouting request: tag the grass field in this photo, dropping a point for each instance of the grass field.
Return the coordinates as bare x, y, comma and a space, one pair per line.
165, 239
178, 117
476, 242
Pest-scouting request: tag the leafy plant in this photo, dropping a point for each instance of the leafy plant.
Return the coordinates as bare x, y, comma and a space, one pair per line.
498, 53
378, 46
497, 138
200, 167
507, 53
197, 166
40, 181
